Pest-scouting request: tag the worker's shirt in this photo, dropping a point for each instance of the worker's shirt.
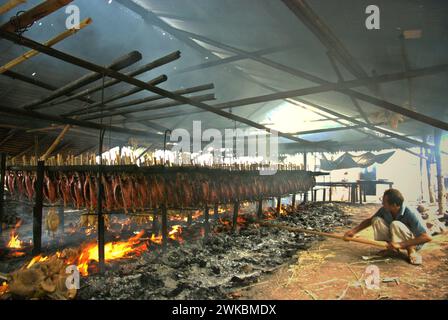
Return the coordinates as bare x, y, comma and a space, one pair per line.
408, 217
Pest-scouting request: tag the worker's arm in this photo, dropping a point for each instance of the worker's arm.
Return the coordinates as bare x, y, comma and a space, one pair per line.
365, 224
421, 239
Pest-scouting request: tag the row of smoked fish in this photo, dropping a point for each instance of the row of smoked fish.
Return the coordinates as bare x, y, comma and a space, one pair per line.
135, 192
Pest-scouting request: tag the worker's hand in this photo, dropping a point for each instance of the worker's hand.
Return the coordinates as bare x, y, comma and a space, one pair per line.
349, 234
394, 246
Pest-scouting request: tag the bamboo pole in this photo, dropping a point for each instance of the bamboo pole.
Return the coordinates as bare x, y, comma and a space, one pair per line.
10, 5
11, 64
56, 142
325, 234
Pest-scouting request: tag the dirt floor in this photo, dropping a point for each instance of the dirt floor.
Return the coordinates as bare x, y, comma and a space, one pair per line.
334, 269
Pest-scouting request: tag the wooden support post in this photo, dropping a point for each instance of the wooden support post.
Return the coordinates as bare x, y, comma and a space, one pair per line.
360, 192
293, 201
61, 220
324, 195
315, 195
155, 223
206, 221
37, 210
189, 218
330, 194
260, 209
216, 212
2, 188
428, 156
440, 180
279, 205
101, 226
305, 165
236, 209
364, 195
164, 227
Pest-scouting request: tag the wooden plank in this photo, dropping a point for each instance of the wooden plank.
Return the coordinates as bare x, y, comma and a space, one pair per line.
55, 143
34, 14
28, 55
11, 4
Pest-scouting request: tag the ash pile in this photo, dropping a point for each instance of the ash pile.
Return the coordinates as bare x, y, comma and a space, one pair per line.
213, 267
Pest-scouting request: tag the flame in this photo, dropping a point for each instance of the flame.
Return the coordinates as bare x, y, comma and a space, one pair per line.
112, 251
89, 252
173, 234
14, 242
3, 288
36, 259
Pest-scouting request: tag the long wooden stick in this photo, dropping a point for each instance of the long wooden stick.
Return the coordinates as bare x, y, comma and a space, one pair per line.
56, 142
49, 43
10, 5
34, 14
325, 234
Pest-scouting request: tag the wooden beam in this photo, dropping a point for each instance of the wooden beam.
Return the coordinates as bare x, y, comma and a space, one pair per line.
75, 122
100, 105
205, 97
134, 102
122, 77
360, 96
55, 143
38, 83
34, 14
28, 55
120, 63
11, 4
148, 67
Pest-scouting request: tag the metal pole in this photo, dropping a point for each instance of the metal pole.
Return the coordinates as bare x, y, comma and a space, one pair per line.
37, 210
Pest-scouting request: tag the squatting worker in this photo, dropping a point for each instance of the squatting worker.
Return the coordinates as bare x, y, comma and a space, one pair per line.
397, 224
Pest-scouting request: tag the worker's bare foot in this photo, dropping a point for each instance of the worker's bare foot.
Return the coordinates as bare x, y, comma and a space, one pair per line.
415, 258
